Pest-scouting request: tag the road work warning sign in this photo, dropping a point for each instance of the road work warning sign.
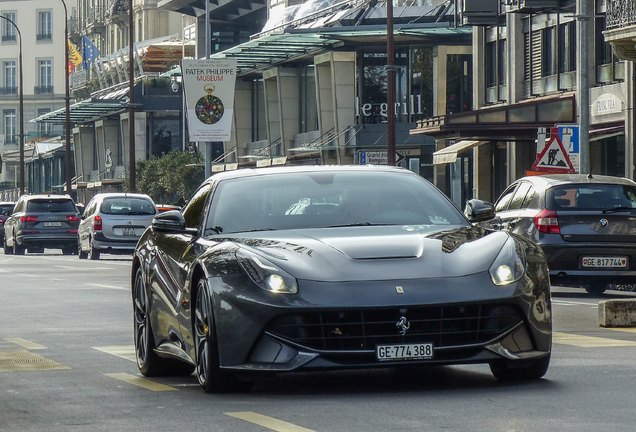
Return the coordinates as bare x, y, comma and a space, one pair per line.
554, 158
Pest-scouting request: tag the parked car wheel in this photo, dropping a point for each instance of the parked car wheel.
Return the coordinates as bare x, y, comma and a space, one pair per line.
509, 371
92, 252
149, 363
211, 378
80, 253
8, 250
596, 288
17, 249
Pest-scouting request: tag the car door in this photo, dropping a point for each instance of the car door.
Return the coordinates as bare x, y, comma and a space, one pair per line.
174, 255
11, 223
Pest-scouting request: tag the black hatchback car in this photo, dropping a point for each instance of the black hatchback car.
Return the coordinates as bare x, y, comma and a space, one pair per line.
39, 222
585, 224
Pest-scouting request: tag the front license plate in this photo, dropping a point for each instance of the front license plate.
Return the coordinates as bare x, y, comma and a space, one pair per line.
404, 352
604, 262
52, 224
128, 231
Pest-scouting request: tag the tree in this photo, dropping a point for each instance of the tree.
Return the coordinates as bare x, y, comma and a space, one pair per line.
171, 178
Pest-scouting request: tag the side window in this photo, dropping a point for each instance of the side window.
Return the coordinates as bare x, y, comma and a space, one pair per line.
193, 211
528, 198
502, 202
20, 206
519, 196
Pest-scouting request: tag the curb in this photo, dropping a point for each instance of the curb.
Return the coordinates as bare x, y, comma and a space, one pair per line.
617, 313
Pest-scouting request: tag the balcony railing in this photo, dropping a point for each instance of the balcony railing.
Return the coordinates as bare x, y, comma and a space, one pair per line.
95, 16
620, 13
43, 89
9, 38
44, 36
73, 26
4, 91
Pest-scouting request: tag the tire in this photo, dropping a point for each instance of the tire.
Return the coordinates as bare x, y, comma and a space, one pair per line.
17, 249
211, 378
516, 370
148, 362
80, 253
596, 288
7, 250
92, 252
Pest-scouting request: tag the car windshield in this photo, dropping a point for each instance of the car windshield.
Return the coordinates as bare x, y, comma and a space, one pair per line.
328, 199
51, 206
6, 209
591, 197
127, 206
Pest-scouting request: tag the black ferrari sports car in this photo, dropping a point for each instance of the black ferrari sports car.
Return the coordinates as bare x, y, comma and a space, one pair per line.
304, 268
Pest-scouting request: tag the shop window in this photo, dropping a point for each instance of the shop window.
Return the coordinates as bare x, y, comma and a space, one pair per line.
166, 134
459, 84
373, 99
422, 82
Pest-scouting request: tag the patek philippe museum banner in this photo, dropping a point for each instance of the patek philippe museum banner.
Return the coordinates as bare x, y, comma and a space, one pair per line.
209, 93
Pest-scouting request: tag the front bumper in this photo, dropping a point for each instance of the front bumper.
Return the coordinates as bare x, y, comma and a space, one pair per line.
468, 320
107, 245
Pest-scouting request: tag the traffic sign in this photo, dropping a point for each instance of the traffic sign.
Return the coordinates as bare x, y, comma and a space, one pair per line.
554, 158
378, 158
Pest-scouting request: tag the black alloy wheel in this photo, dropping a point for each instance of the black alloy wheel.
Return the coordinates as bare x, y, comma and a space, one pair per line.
520, 370
211, 378
148, 362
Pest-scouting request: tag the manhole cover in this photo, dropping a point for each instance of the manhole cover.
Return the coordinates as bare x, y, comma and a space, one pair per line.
16, 361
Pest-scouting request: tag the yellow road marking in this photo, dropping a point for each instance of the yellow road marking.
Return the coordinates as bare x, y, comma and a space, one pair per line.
588, 341
268, 422
24, 343
140, 382
23, 361
125, 351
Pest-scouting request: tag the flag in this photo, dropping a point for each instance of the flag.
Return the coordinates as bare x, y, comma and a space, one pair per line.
89, 53
74, 57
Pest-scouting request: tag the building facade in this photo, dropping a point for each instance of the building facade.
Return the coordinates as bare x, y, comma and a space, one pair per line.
41, 25
529, 57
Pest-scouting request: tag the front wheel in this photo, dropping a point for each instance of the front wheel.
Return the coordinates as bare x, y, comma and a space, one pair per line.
596, 288
211, 378
520, 370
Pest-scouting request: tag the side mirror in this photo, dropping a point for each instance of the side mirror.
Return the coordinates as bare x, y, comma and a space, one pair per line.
171, 221
479, 211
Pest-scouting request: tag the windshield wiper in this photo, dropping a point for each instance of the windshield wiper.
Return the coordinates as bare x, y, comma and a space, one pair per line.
357, 224
259, 229
617, 209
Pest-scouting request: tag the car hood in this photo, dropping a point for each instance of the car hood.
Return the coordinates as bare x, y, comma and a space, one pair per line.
376, 253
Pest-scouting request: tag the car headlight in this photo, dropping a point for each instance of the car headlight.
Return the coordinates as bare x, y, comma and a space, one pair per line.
510, 264
267, 275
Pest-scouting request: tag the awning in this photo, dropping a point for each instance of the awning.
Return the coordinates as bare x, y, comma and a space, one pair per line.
449, 154
606, 132
102, 104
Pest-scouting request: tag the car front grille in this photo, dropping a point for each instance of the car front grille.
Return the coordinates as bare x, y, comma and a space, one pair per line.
363, 329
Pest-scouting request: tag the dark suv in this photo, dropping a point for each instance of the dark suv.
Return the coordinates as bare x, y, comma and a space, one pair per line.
586, 225
42, 221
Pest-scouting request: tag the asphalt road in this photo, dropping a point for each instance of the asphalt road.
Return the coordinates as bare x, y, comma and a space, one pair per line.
68, 322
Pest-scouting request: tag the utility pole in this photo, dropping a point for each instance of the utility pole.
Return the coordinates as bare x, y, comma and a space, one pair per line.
584, 13
131, 100
208, 53
390, 83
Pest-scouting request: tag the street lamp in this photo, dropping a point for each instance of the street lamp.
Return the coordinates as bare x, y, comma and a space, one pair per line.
69, 168
21, 96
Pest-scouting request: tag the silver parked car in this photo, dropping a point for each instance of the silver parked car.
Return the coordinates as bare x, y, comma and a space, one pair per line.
112, 223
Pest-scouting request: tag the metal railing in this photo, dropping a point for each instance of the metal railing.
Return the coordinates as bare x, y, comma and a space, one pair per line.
9, 38
43, 89
620, 13
4, 91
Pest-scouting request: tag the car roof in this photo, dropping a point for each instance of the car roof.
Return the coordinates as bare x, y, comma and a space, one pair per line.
550, 180
45, 196
120, 195
251, 172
